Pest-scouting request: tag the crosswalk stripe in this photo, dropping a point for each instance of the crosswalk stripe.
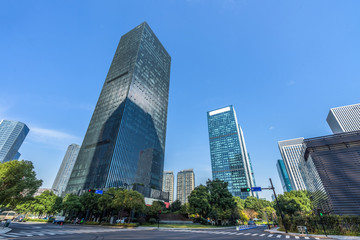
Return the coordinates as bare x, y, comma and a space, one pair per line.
270, 235
278, 236
262, 235
254, 234
12, 235
317, 238
296, 237
287, 236
247, 234
307, 238
240, 234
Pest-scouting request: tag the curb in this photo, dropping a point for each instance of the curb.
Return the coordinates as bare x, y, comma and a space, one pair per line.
340, 237
154, 228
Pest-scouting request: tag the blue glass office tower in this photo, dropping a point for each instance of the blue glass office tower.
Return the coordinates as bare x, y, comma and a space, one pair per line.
284, 177
229, 158
12, 135
125, 141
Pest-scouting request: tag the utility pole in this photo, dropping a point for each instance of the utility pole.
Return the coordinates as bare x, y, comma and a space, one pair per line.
277, 203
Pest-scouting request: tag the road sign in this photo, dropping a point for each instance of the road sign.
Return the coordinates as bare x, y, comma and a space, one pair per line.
256, 189
99, 192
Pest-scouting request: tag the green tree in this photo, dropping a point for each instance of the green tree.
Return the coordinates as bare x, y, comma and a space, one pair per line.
221, 200
89, 203
72, 204
134, 202
295, 203
175, 206
199, 201
240, 203
257, 205
154, 209
18, 182
118, 202
45, 203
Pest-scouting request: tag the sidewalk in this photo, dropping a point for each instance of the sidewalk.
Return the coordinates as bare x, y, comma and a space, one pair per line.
4, 230
340, 237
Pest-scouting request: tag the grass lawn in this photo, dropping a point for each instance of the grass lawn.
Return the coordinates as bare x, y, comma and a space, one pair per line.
182, 226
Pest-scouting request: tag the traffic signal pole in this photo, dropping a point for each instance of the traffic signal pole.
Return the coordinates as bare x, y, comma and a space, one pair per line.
277, 203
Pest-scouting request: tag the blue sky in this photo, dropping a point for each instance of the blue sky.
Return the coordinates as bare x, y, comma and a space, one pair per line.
281, 64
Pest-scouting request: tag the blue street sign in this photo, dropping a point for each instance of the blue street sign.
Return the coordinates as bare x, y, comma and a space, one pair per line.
256, 189
99, 192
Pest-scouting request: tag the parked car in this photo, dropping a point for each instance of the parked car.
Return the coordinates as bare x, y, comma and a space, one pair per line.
19, 218
123, 220
251, 223
7, 215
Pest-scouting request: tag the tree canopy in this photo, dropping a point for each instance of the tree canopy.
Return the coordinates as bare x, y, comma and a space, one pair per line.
18, 182
295, 203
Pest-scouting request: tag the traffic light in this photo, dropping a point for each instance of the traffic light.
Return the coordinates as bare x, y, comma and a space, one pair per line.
245, 189
91, 190
320, 213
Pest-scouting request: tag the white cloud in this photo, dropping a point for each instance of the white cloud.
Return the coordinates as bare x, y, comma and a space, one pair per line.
51, 137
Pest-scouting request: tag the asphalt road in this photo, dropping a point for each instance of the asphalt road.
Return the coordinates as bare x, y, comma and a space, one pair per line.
44, 231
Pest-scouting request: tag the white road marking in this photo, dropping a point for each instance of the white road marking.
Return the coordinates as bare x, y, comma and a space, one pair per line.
254, 234
307, 238
296, 237
278, 236
262, 235
247, 234
270, 235
287, 236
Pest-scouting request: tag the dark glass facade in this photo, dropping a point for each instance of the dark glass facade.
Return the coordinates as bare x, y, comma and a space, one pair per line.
229, 158
125, 140
331, 172
284, 176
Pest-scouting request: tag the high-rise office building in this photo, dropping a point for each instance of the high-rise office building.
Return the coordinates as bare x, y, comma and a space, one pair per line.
331, 171
12, 135
290, 151
229, 158
344, 119
168, 184
125, 141
185, 185
65, 169
284, 177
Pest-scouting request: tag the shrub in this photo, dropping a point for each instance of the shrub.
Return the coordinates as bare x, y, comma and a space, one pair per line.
92, 223
36, 220
152, 220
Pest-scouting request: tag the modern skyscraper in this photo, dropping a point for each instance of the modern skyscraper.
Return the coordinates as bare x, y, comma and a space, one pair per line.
65, 169
12, 135
168, 184
284, 177
229, 158
331, 171
344, 119
185, 184
290, 151
125, 140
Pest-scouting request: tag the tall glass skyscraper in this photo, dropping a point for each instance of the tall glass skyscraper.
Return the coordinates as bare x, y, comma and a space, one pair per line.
12, 135
125, 140
291, 151
229, 158
284, 176
65, 169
